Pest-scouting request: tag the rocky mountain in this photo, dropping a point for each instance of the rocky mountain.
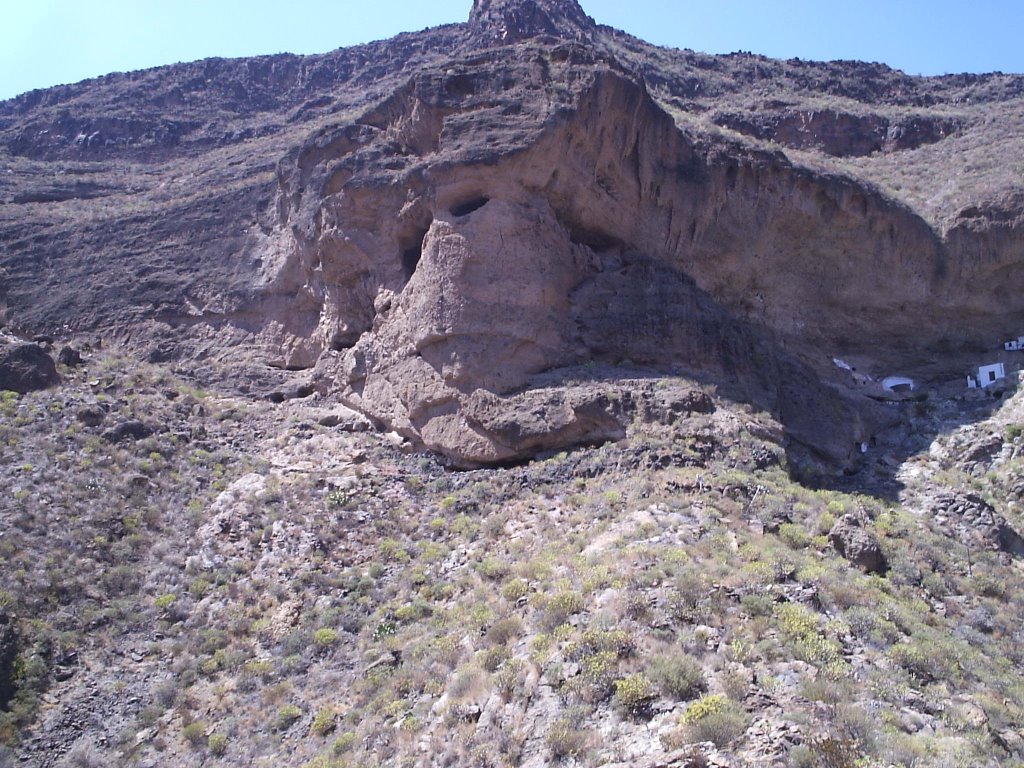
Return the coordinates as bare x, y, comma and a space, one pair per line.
643, 300
433, 222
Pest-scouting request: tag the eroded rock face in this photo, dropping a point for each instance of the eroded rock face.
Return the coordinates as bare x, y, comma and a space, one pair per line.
840, 134
971, 519
583, 236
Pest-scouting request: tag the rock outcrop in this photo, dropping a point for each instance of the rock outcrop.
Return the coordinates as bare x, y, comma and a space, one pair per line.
967, 517
579, 238
858, 545
509, 21
839, 134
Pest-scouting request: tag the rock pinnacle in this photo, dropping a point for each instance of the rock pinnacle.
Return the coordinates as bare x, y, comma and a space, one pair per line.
513, 20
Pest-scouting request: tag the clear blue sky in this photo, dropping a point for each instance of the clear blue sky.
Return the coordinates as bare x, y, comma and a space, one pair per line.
46, 42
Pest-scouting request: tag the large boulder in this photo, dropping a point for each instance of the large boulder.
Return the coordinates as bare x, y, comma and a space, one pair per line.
857, 544
26, 367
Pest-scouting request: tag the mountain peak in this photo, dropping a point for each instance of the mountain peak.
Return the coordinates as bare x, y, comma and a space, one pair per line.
512, 20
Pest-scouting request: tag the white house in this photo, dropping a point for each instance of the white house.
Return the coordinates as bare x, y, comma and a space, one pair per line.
1014, 345
989, 374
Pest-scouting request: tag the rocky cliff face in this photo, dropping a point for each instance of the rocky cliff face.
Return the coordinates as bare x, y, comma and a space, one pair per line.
450, 248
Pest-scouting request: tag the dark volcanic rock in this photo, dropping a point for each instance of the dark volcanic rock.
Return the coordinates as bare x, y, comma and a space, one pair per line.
26, 367
91, 416
8, 653
70, 357
127, 430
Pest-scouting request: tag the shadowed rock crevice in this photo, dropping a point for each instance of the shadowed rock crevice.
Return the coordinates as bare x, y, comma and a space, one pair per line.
8, 655
465, 208
412, 250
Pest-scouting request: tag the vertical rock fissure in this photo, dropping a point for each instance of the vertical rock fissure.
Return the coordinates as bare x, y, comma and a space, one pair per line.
412, 250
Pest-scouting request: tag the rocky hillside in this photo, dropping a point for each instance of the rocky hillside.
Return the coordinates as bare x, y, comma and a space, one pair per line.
195, 579
511, 393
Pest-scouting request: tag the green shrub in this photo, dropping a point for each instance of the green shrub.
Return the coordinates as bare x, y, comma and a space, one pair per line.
835, 753
164, 602
634, 694
325, 637
597, 675
594, 641
492, 658
715, 719
493, 568
325, 761
799, 627
678, 676
559, 607
343, 743
504, 630
508, 676
286, 717
794, 536
566, 740
757, 605
704, 706
217, 743
325, 721
926, 665
801, 756
689, 601
195, 734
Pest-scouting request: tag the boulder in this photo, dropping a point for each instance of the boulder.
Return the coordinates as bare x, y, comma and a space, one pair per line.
857, 544
91, 415
26, 367
132, 429
70, 357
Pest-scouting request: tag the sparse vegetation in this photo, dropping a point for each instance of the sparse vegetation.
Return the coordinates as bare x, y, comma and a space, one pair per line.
620, 618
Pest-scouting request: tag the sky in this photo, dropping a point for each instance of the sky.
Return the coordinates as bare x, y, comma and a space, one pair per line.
49, 42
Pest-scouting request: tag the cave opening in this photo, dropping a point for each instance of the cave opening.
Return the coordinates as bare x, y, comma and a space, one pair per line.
467, 207
594, 239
